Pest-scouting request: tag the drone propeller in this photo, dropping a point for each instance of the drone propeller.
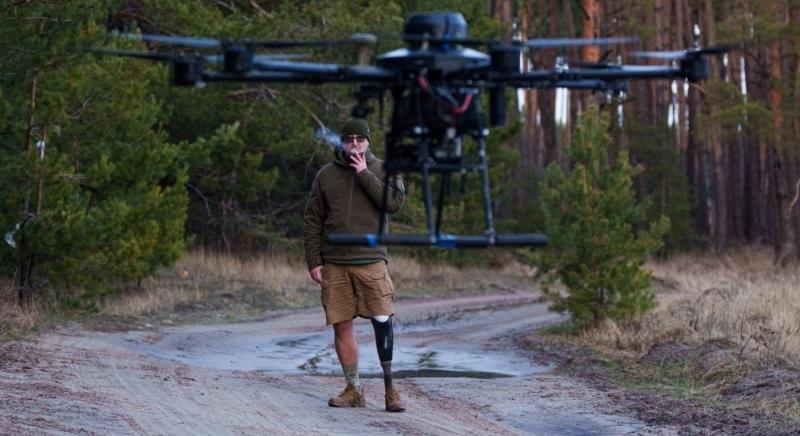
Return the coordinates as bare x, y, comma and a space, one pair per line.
531, 43
601, 63
211, 43
216, 58
133, 54
577, 42
187, 41
683, 54
187, 70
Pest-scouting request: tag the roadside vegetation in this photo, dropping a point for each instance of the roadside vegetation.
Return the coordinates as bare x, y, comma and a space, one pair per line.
207, 287
724, 333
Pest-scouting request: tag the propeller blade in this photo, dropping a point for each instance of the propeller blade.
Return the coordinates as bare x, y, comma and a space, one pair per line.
211, 43
681, 54
577, 42
187, 41
132, 54
673, 54
307, 43
218, 58
720, 48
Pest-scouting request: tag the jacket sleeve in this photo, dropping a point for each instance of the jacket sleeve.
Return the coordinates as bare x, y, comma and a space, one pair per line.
373, 186
313, 225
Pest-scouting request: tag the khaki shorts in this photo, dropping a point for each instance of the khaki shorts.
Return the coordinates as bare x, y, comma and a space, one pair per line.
356, 290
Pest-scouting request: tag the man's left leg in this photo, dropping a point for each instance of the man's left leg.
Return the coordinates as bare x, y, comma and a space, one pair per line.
384, 340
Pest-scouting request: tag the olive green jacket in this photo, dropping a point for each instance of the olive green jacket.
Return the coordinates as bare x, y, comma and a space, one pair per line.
342, 201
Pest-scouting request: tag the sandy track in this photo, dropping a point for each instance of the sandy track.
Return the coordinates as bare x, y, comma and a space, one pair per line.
200, 380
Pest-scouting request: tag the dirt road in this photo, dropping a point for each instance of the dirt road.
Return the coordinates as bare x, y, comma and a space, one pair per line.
460, 374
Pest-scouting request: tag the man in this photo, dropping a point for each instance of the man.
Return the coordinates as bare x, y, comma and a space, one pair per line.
346, 197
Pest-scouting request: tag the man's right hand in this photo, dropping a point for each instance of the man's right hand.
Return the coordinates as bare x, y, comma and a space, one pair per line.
316, 274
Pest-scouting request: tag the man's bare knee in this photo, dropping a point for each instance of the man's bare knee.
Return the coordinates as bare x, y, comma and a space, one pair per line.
343, 328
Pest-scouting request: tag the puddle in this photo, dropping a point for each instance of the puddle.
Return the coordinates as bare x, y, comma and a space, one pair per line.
442, 373
433, 349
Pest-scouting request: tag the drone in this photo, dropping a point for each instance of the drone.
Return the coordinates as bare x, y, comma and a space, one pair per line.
435, 83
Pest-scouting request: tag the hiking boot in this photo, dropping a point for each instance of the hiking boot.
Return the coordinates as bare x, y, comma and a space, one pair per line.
351, 396
393, 403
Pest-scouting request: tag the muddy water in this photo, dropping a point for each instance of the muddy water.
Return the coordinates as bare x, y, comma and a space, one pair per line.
461, 343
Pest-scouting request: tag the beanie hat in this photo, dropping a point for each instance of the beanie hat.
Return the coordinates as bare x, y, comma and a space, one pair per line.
355, 126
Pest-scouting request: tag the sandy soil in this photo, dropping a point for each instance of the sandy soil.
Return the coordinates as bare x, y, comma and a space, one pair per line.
274, 376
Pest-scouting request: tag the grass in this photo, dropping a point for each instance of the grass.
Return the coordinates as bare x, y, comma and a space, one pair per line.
207, 287
17, 322
740, 297
722, 324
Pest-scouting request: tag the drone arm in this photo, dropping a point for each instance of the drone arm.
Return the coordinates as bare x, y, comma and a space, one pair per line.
581, 77
297, 77
587, 84
373, 185
313, 222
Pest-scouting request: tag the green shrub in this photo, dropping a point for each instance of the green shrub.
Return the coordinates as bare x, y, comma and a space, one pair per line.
598, 239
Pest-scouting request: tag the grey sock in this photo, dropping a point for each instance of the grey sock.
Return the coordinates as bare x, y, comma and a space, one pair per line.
351, 374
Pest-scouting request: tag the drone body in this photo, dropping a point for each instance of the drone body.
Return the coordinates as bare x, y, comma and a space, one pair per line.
435, 83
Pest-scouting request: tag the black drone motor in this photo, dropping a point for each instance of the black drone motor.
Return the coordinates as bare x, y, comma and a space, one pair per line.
187, 71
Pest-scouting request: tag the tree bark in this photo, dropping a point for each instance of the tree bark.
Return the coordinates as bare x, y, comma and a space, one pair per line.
26, 258
590, 53
718, 216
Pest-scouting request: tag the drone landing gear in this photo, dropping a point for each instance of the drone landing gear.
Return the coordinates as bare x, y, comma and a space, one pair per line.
434, 236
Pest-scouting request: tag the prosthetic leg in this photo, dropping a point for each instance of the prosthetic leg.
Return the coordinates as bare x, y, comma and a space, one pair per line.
384, 341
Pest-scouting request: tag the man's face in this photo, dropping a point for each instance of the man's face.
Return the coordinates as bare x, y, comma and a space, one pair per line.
356, 144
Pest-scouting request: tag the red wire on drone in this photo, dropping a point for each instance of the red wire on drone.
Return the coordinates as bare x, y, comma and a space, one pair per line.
423, 83
464, 106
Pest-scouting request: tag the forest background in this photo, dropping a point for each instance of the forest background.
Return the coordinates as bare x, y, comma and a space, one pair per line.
108, 173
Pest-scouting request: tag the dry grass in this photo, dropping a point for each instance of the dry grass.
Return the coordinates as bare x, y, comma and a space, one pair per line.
200, 276
16, 321
203, 280
740, 297
725, 331
204, 286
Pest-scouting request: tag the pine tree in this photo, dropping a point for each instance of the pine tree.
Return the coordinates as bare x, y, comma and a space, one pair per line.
597, 232
86, 166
